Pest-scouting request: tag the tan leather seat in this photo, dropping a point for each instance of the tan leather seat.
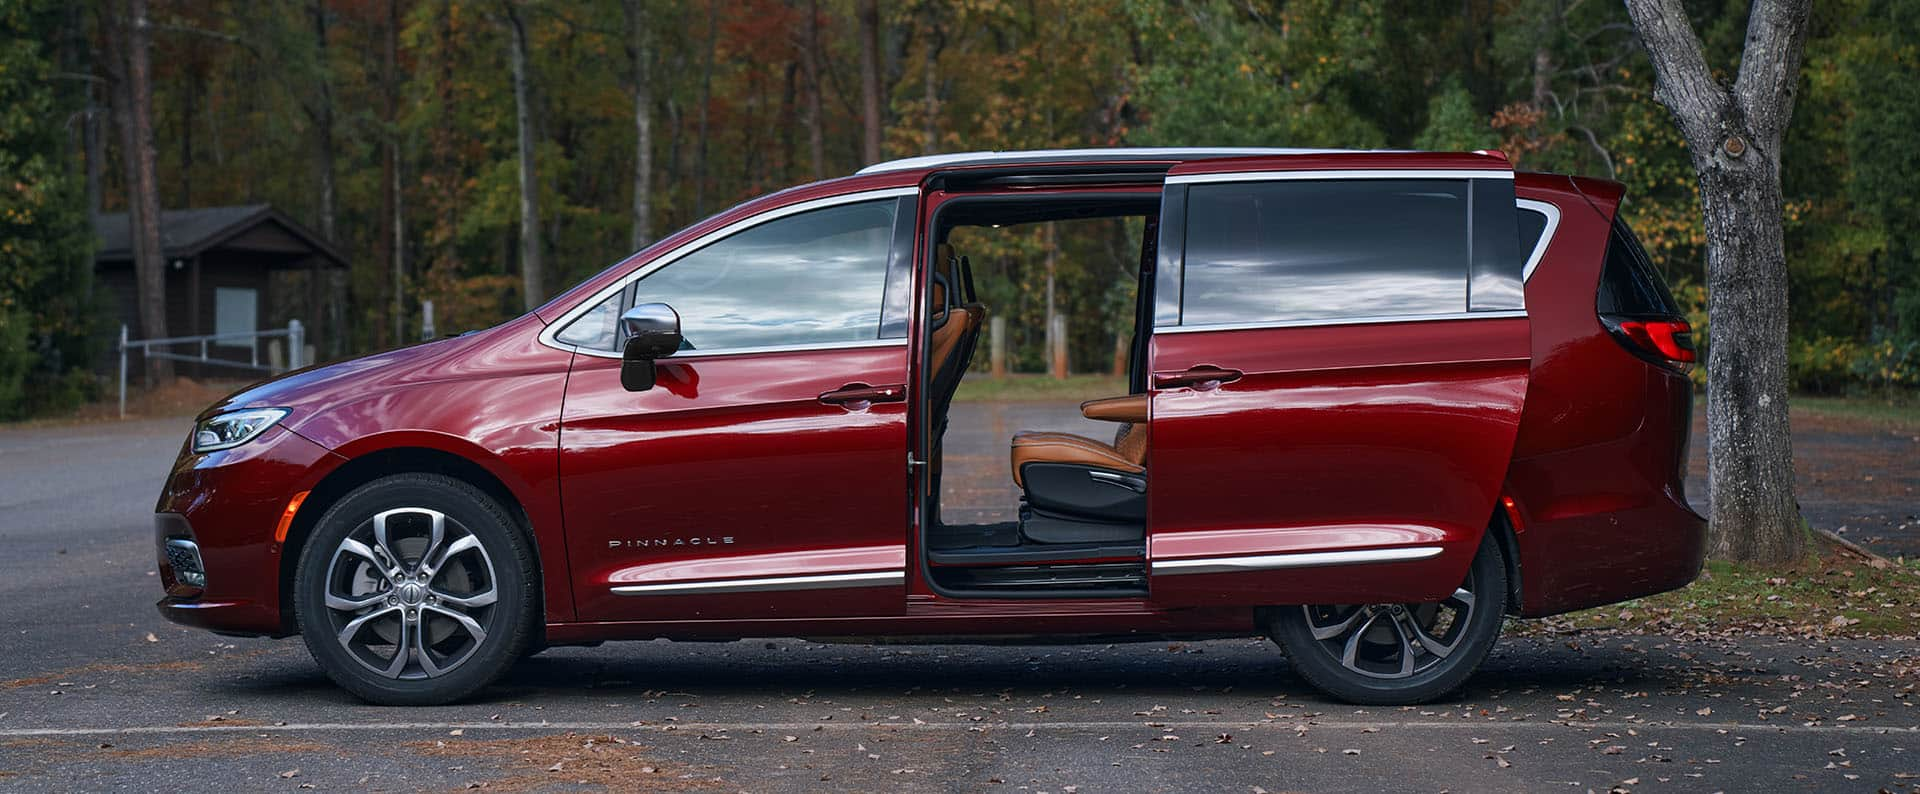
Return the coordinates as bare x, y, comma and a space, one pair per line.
951, 334
1127, 453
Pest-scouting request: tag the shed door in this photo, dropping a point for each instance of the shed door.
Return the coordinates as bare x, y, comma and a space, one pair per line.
1337, 376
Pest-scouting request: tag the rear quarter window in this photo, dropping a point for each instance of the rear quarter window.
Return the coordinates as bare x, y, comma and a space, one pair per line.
1629, 283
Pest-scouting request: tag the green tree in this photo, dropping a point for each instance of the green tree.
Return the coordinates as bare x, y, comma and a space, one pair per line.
1224, 74
46, 250
1453, 124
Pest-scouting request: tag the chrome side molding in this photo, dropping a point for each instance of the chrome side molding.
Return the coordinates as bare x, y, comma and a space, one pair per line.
1306, 559
768, 584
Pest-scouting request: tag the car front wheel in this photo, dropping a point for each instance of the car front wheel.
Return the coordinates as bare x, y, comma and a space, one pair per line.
1398, 654
415, 589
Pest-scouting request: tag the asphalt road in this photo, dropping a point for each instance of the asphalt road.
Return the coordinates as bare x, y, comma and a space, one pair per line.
99, 693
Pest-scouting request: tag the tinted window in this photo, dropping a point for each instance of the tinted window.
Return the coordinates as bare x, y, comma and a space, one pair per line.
1310, 249
597, 328
1533, 223
813, 278
1629, 284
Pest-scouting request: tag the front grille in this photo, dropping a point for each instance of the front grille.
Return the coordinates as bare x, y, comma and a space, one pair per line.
184, 556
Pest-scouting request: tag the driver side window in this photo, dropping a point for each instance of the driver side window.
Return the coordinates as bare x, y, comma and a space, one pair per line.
812, 278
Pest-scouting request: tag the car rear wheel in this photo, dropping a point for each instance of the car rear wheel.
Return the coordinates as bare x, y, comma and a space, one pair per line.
1399, 654
415, 589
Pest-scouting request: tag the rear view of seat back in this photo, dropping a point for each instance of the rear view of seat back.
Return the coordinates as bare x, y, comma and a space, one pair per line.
956, 331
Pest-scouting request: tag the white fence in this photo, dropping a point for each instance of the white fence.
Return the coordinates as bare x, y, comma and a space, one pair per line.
157, 348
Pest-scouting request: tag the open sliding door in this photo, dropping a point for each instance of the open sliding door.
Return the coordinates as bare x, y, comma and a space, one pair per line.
1338, 365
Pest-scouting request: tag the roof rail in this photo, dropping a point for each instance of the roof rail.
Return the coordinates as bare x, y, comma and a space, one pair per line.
1041, 156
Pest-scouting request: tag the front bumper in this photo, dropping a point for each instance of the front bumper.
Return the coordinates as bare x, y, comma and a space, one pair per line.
223, 507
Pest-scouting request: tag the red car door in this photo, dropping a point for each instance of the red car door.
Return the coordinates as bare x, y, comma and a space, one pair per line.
1339, 360
764, 475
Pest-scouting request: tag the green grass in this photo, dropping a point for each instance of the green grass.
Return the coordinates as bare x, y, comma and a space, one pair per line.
1897, 412
978, 386
1835, 596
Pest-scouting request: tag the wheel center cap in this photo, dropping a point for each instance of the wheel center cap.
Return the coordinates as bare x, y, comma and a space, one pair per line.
412, 594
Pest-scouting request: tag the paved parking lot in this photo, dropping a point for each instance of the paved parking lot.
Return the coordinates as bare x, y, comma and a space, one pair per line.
97, 692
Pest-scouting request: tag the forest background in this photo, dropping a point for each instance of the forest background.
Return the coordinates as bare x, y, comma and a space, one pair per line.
404, 130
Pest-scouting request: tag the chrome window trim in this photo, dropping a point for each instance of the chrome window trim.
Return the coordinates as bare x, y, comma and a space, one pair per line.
1546, 235
548, 335
1308, 559
1067, 156
1366, 320
1368, 173
765, 584
689, 355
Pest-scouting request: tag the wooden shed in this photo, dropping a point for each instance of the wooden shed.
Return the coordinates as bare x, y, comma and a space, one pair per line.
229, 269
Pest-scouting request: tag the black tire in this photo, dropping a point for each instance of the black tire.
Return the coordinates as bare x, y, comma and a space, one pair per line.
500, 572
1379, 676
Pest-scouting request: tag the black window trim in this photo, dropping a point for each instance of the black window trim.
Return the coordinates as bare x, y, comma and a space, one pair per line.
548, 335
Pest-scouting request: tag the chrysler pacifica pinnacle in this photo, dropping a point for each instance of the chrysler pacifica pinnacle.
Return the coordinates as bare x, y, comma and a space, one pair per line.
1375, 404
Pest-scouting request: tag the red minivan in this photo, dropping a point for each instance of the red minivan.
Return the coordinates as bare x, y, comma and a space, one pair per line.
1377, 402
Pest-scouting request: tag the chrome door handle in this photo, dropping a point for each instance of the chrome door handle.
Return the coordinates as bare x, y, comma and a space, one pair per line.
857, 396
1204, 377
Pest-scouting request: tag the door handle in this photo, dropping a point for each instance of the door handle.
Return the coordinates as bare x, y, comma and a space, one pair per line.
1204, 377
857, 396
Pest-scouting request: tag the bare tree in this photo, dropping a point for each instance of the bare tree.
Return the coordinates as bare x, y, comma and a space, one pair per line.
1734, 134
810, 67
134, 95
706, 102
869, 13
390, 173
531, 283
936, 40
640, 54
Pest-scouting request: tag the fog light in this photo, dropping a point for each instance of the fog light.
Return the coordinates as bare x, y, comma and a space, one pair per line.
184, 556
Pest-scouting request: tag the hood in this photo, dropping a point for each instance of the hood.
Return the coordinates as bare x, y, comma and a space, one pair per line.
311, 389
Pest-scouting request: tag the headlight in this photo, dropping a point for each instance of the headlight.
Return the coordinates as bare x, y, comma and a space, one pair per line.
230, 430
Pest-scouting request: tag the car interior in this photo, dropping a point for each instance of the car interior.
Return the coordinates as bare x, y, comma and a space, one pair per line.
1080, 526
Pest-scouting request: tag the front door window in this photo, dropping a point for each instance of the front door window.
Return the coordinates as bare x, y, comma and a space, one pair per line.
814, 278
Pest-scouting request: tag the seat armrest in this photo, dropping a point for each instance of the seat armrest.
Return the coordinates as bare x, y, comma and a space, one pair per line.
1131, 408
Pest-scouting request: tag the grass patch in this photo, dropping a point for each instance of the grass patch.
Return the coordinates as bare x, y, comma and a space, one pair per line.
1901, 413
1031, 388
1838, 595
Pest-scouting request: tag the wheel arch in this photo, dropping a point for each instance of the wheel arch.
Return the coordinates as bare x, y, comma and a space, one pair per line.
1502, 527
365, 468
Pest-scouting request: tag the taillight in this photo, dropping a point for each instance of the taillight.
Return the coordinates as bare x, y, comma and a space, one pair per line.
1665, 340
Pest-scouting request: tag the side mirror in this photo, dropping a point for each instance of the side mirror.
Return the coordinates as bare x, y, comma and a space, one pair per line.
653, 332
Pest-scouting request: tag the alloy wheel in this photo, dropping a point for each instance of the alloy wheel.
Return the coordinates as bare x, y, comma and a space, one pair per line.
1390, 641
411, 593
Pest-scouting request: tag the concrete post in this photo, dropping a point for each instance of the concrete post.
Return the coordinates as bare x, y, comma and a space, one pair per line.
123, 370
1059, 352
997, 345
296, 345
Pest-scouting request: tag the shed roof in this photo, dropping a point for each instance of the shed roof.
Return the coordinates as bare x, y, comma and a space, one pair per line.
245, 227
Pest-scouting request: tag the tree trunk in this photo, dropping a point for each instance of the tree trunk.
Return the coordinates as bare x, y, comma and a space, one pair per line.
936, 40
1749, 446
810, 64
706, 99
531, 289
640, 52
150, 267
395, 224
1734, 138
323, 123
869, 12
327, 320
